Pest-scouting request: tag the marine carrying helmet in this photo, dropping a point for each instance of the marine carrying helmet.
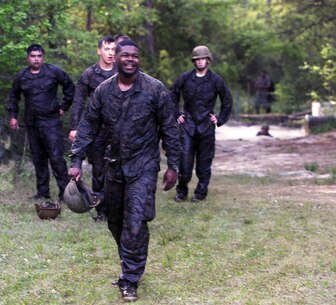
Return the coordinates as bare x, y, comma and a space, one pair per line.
80, 198
201, 52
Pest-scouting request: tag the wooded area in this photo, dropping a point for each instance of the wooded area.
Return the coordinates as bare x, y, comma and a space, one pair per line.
293, 40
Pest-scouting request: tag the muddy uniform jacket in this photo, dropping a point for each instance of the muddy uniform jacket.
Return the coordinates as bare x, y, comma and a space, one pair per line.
134, 122
199, 95
91, 78
40, 92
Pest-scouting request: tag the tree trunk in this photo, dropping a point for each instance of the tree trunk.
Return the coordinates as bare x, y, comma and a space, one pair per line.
148, 40
89, 18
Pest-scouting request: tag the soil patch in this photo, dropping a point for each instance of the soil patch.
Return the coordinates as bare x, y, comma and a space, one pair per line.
286, 154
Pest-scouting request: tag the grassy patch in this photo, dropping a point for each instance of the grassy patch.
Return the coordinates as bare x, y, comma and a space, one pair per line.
243, 245
312, 167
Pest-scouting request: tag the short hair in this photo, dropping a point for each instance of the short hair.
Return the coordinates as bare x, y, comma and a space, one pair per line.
34, 47
107, 39
126, 42
120, 37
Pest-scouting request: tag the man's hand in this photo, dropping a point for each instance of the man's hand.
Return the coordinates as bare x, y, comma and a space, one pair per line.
169, 179
13, 124
72, 135
61, 112
213, 118
180, 119
75, 173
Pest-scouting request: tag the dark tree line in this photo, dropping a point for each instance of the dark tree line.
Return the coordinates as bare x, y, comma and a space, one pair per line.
293, 40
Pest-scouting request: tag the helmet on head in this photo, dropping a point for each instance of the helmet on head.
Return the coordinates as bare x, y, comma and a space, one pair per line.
80, 198
201, 52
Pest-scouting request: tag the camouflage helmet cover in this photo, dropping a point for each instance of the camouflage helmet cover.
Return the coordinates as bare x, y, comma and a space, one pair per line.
201, 52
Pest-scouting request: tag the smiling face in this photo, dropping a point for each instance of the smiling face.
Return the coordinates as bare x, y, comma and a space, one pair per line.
35, 60
128, 60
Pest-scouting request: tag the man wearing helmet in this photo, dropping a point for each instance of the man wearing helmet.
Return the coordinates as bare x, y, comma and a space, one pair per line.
199, 88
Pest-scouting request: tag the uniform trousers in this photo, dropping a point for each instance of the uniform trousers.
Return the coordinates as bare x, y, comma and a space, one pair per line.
96, 153
130, 205
199, 148
46, 145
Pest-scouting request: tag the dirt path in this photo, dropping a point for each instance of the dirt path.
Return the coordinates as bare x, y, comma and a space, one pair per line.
239, 150
282, 157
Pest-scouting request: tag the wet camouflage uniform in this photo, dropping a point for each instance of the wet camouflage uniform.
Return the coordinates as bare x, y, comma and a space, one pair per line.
88, 82
198, 132
134, 122
42, 119
263, 100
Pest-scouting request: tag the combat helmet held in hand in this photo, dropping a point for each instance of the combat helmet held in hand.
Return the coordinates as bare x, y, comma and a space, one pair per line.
79, 197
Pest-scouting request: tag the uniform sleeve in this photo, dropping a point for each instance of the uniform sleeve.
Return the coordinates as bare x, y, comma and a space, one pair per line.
14, 98
226, 102
88, 129
81, 94
168, 129
68, 89
175, 91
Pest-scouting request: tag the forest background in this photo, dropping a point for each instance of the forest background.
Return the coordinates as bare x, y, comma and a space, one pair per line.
273, 245
293, 40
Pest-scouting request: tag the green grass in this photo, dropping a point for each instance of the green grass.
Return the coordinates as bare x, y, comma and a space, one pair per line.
243, 245
312, 167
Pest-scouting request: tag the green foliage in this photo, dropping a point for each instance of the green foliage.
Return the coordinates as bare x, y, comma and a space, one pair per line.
324, 71
293, 40
163, 69
312, 167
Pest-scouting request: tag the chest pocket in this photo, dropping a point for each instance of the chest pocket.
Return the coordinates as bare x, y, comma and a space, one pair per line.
47, 84
140, 110
25, 84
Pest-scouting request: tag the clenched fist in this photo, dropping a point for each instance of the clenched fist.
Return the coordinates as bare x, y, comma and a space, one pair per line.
169, 179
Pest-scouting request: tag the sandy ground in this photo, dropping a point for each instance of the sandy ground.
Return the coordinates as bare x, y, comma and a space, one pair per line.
283, 158
239, 150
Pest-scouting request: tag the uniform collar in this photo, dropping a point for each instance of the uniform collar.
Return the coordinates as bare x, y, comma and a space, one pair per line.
34, 75
99, 70
205, 77
135, 88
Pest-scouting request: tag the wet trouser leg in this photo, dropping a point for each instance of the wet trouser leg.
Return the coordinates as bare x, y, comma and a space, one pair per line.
205, 150
53, 142
96, 155
186, 163
40, 161
130, 206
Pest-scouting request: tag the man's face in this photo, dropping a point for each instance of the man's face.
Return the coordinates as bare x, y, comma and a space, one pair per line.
128, 60
201, 63
107, 52
35, 60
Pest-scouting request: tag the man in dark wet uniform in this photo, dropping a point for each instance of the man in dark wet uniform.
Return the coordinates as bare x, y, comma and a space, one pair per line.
199, 88
87, 83
39, 83
264, 96
137, 111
